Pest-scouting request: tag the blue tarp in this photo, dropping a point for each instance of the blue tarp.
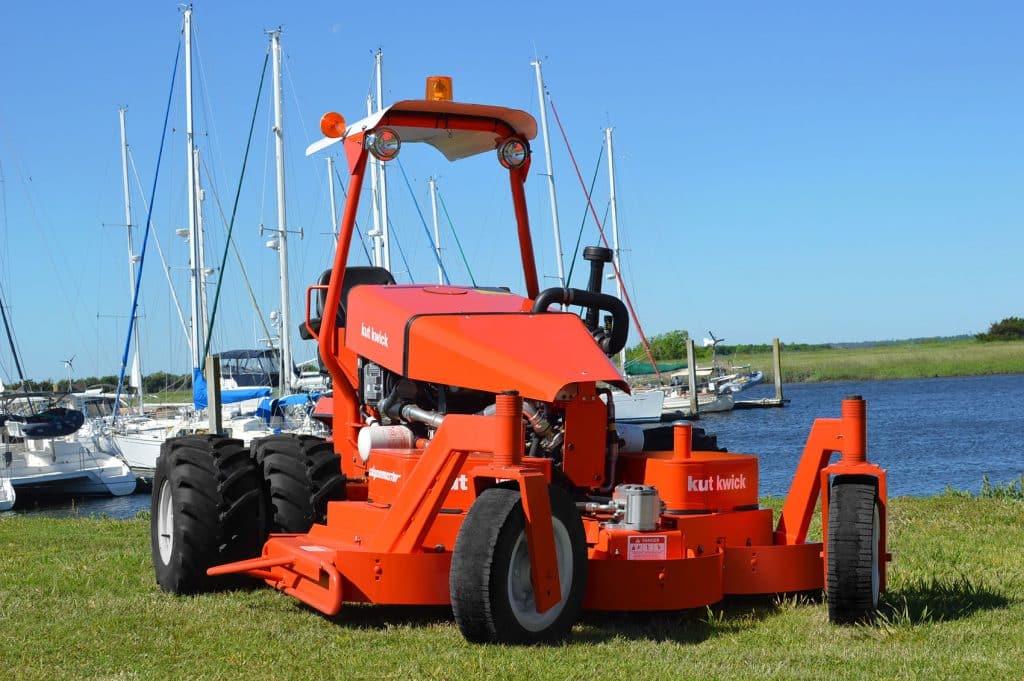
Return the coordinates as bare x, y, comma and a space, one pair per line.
268, 407
200, 399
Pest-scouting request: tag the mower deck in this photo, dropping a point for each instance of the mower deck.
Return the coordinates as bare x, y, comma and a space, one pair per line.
712, 540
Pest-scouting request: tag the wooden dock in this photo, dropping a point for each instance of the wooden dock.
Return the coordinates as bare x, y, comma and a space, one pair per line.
763, 403
769, 402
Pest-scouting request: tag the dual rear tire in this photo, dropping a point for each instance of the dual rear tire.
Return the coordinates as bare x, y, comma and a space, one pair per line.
301, 475
215, 502
207, 509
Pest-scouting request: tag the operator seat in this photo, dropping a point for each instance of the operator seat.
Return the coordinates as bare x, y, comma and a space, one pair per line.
354, 276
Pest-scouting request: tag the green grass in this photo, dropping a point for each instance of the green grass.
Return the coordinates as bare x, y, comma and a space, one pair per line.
904, 360
78, 600
170, 397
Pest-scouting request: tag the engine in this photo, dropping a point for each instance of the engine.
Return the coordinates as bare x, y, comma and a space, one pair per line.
401, 410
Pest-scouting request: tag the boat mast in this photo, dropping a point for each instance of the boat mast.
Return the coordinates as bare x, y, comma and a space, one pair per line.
136, 378
550, 173
193, 237
11, 343
282, 225
204, 312
437, 234
330, 189
378, 252
383, 176
615, 228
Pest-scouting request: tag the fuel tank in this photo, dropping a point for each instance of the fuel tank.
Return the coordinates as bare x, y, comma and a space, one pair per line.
474, 338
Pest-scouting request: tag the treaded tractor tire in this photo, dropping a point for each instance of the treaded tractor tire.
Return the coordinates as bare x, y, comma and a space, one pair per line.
301, 474
207, 509
854, 529
490, 575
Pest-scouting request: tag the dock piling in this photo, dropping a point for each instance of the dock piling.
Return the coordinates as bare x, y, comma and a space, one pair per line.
213, 394
692, 370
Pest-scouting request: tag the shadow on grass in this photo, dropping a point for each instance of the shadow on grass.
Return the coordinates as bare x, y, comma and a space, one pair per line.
917, 601
362, 616
938, 599
732, 615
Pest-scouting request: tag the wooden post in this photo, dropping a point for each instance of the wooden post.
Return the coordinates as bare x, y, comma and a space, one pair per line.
692, 367
777, 366
213, 410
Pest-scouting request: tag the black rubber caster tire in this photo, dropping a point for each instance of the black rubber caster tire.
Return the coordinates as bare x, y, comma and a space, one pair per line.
854, 537
492, 598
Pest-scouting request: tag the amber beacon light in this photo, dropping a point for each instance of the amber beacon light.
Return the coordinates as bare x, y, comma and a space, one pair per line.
332, 124
439, 88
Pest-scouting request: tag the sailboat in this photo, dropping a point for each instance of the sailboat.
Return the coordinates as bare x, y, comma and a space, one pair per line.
42, 456
253, 413
39, 450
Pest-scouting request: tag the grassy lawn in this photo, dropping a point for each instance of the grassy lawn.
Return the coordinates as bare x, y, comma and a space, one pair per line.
903, 360
170, 397
79, 601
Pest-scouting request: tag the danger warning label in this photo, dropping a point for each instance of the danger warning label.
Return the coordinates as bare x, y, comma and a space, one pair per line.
647, 547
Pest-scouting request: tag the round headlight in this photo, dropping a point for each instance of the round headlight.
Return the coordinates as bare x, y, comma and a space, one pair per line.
383, 143
513, 152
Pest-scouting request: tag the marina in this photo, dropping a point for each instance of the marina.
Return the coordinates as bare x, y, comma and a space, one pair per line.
381, 398
955, 439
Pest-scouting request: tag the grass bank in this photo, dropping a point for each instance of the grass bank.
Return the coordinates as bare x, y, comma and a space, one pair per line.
170, 397
79, 601
928, 359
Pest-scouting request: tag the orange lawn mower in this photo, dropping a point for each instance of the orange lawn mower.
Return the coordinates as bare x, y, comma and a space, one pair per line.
475, 459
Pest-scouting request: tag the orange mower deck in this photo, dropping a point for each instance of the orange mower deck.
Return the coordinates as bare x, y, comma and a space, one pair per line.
713, 539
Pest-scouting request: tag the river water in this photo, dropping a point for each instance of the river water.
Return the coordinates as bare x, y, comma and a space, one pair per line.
927, 433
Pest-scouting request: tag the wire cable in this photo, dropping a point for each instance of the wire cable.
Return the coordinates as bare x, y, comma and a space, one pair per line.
604, 239
583, 222
423, 221
234, 213
455, 234
145, 237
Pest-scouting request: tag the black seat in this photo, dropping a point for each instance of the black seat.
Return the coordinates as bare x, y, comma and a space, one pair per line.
354, 276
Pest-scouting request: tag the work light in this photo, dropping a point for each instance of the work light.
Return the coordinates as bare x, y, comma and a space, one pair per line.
513, 152
383, 143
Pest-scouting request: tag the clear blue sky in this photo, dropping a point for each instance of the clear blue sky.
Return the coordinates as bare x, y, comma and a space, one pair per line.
801, 170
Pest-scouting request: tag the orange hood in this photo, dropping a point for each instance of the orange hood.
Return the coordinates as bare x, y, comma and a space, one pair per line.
483, 340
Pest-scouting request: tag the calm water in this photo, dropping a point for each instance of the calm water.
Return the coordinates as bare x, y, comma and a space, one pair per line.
927, 433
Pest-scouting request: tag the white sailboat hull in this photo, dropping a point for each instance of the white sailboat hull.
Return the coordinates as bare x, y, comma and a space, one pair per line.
67, 468
706, 404
7, 495
638, 407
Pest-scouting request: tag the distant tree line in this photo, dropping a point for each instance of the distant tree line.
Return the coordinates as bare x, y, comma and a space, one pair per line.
1011, 328
159, 381
672, 345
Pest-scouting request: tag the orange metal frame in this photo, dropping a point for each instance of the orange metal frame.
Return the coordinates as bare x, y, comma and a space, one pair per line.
367, 550
392, 541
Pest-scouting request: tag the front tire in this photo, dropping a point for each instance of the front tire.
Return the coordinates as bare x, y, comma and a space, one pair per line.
207, 509
492, 595
301, 474
854, 538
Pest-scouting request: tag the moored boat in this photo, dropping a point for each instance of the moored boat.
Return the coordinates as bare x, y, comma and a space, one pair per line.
43, 456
